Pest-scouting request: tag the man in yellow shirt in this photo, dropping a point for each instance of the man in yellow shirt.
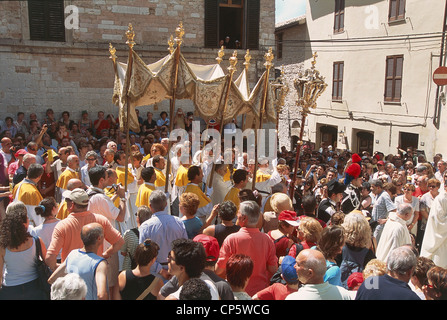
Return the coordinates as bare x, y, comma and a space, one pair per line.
159, 164
148, 174
27, 192
72, 184
71, 172
181, 179
195, 176
132, 187
240, 180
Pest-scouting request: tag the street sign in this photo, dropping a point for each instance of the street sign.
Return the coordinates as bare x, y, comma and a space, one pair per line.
440, 76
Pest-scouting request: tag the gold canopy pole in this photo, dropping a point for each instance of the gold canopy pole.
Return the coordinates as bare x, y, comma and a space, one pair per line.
231, 69
219, 59
179, 32
247, 58
130, 34
268, 65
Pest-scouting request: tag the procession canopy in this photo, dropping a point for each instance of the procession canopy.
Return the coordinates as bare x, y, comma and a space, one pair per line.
205, 85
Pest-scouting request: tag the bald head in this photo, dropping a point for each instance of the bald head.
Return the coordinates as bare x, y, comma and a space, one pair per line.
311, 266
92, 235
74, 183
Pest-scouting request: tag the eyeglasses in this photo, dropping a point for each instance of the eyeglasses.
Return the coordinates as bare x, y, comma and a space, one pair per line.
91, 159
432, 186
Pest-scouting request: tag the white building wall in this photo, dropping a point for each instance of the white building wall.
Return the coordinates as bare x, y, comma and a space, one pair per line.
364, 72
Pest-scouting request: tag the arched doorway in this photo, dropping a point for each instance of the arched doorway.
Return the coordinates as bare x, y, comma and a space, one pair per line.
294, 134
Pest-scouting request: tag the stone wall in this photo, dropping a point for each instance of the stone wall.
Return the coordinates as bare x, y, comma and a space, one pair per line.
78, 75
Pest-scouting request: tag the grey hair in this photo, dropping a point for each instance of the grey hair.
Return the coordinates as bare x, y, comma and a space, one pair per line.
91, 153
158, 200
401, 260
28, 157
69, 287
71, 157
251, 210
404, 208
15, 206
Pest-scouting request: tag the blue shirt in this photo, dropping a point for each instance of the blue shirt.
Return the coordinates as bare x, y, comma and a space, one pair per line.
192, 226
162, 228
85, 264
333, 274
161, 122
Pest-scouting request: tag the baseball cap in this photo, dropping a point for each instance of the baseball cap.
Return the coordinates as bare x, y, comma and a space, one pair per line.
20, 152
288, 269
355, 279
78, 196
211, 246
289, 216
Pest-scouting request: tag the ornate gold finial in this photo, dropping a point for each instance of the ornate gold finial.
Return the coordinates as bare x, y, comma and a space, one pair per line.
314, 61
171, 44
220, 55
233, 62
269, 58
112, 51
247, 59
130, 34
179, 33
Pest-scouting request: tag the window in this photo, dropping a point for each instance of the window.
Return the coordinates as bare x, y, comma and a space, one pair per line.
339, 21
393, 79
397, 10
238, 19
337, 81
279, 42
46, 20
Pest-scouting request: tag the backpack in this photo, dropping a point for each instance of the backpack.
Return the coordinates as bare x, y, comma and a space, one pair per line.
352, 261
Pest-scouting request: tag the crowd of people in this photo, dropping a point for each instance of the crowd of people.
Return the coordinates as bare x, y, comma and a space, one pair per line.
137, 217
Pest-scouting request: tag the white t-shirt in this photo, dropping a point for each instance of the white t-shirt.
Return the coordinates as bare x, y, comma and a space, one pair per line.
322, 291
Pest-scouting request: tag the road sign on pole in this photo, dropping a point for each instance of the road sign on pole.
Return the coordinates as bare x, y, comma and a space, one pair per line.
440, 76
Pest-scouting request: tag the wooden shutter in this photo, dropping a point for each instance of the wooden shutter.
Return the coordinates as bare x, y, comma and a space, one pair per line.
337, 81
253, 10
279, 44
393, 79
211, 23
46, 20
339, 16
397, 10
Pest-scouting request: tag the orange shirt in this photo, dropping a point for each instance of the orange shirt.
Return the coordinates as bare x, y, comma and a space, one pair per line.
67, 233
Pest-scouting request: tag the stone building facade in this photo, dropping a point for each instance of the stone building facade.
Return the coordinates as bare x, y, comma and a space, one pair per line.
75, 73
